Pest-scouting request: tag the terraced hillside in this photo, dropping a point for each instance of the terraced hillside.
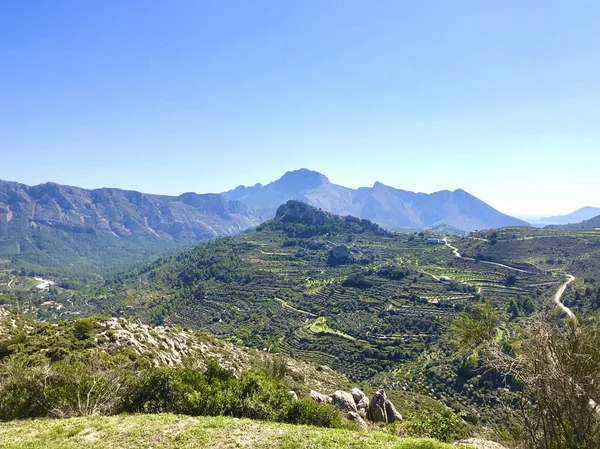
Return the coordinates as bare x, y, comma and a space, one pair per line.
335, 291
555, 251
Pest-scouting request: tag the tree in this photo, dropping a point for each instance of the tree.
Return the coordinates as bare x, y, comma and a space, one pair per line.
598, 297
511, 280
514, 310
83, 328
559, 368
475, 327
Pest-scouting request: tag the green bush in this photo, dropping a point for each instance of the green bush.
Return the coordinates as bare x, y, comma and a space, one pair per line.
22, 389
307, 411
444, 425
92, 384
216, 392
83, 328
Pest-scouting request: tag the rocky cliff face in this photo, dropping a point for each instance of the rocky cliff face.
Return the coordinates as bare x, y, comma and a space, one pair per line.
303, 212
51, 222
121, 213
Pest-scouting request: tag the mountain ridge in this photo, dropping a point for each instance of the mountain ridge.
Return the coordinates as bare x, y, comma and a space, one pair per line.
593, 224
380, 203
577, 216
46, 222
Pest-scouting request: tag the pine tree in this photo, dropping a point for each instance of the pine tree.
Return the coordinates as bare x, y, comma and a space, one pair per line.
514, 310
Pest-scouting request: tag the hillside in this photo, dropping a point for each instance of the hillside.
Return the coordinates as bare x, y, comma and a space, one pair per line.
380, 203
593, 224
341, 292
174, 432
54, 225
585, 213
122, 366
78, 231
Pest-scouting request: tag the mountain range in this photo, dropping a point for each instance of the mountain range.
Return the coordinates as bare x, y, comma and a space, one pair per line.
382, 204
51, 224
585, 213
587, 225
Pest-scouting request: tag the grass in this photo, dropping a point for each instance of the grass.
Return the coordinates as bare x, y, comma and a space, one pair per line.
320, 326
184, 432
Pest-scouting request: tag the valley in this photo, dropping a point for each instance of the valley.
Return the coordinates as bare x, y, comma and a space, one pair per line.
344, 293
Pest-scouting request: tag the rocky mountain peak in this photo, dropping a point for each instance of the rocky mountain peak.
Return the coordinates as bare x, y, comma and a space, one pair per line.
302, 179
295, 210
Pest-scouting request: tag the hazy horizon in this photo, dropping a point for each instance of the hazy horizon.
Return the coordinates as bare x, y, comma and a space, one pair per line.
497, 99
531, 218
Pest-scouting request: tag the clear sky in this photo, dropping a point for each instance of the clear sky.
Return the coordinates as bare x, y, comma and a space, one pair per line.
500, 98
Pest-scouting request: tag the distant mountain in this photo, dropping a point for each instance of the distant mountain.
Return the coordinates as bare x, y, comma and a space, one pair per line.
585, 213
51, 224
586, 225
380, 203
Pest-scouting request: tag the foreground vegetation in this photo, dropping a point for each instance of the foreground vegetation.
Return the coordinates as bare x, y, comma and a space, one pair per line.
169, 431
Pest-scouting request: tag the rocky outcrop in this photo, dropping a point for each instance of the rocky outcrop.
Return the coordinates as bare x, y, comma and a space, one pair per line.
344, 401
391, 412
339, 255
357, 419
376, 410
356, 404
299, 211
319, 397
381, 409
360, 399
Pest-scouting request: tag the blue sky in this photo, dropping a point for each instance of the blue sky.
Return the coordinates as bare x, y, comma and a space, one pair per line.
498, 98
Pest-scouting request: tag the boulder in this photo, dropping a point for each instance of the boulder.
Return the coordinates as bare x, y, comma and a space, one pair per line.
340, 255
363, 405
391, 412
343, 401
293, 394
360, 399
479, 443
376, 411
356, 418
318, 397
357, 395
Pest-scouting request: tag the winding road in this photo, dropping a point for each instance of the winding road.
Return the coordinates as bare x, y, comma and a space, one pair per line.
459, 256
558, 296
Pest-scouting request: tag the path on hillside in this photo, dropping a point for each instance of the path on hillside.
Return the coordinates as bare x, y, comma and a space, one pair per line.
557, 298
285, 305
560, 292
459, 256
274, 254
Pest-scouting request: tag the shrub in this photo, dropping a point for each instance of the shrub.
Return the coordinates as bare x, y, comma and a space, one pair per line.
22, 388
83, 328
357, 279
558, 366
475, 327
444, 425
307, 411
85, 385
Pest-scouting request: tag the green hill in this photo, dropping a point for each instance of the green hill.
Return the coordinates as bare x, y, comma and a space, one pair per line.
341, 292
593, 224
176, 432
